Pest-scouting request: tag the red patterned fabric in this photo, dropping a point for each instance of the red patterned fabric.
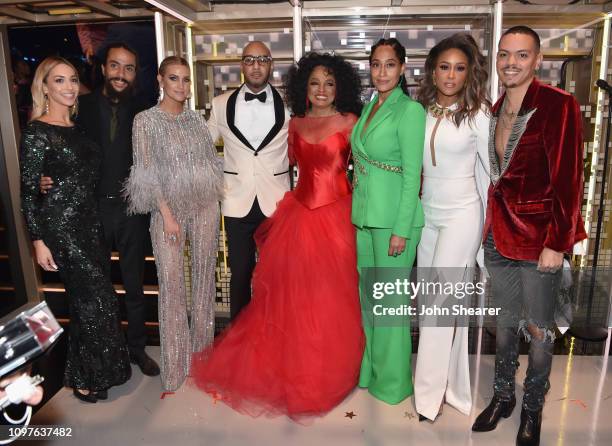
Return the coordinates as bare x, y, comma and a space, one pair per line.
537, 201
296, 348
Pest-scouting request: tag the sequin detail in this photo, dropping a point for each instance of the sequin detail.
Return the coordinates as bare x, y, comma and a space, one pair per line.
384, 166
66, 219
437, 111
175, 160
518, 128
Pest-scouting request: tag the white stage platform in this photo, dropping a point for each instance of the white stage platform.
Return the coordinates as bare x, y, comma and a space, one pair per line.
578, 412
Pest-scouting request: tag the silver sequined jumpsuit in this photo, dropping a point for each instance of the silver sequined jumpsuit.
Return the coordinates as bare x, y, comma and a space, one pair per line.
175, 160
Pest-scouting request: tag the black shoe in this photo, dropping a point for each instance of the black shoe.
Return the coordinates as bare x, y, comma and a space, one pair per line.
488, 418
101, 394
146, 364
529, 430
86, 397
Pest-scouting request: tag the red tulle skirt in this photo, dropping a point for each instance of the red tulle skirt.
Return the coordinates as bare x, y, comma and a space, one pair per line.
296, 348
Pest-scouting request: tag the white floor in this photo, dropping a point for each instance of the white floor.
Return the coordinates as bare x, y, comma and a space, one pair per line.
578, 412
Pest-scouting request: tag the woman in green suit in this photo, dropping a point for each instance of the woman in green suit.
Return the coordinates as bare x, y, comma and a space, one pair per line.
387, 144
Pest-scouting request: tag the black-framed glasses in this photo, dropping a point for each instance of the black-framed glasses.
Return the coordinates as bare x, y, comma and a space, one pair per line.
262, 60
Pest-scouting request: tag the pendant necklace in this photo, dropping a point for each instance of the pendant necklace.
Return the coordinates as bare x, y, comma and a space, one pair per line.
438, 112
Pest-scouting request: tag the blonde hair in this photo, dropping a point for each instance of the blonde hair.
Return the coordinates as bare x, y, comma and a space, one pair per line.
171, 60
167, 62
39, 101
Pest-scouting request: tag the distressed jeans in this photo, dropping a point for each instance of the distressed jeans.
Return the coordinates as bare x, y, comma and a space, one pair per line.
526, 298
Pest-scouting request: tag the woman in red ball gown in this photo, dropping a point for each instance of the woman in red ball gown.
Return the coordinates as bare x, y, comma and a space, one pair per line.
296, 348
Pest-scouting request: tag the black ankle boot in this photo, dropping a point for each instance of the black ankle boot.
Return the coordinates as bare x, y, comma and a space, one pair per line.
101, 394
529, 430
488, 418
86, 397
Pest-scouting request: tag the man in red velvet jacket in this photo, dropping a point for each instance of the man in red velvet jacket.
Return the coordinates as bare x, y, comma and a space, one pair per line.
533, 218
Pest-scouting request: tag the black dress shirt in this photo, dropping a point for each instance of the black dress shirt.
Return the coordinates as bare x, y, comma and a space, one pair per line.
95, 115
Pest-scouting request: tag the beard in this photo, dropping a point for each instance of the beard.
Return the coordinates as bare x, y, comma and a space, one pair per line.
118, 96
517, 81
257, 84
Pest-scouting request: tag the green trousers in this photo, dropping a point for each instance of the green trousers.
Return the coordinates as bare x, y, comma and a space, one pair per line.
386, 366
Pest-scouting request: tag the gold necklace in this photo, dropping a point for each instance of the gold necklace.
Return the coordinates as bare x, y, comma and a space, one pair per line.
507, 118
438, 111
511, 115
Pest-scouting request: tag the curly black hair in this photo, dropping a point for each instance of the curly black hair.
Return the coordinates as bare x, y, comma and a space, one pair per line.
348, 84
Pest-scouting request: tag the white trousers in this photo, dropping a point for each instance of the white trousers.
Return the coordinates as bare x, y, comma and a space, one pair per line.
451, 237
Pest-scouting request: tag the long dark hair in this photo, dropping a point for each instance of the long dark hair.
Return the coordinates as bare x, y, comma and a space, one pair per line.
474, 93
400, 52
348, 84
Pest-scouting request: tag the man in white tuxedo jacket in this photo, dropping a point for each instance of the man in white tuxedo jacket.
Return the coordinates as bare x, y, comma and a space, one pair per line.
253, 123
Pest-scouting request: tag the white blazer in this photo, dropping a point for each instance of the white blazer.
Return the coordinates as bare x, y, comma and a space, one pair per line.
250, 172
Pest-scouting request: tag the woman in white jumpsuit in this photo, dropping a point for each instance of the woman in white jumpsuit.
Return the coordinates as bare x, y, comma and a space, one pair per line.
455, 183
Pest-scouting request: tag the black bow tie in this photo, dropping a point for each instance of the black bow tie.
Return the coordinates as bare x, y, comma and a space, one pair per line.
250, 96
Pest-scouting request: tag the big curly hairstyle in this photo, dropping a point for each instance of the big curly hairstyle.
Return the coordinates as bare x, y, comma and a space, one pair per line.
474, 94
348, 84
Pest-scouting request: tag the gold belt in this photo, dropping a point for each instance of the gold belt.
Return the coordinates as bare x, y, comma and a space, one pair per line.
375, 163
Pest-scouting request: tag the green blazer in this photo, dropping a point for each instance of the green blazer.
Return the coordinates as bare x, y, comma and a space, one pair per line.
382, 196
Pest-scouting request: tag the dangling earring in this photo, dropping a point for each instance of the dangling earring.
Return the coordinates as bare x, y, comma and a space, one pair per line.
46, 104
74, 109
161, 94
307, 103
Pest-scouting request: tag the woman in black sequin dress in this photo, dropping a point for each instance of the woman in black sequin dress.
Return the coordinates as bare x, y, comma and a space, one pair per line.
66, 231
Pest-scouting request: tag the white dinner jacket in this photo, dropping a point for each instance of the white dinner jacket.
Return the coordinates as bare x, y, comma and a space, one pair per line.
250, 172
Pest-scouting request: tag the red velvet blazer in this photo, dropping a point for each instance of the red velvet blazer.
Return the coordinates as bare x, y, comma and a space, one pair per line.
535, 196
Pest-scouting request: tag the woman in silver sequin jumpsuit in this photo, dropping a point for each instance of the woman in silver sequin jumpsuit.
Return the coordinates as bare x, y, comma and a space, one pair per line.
178, 178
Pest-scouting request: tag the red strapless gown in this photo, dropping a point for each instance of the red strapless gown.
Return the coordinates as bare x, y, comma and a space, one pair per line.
296, 348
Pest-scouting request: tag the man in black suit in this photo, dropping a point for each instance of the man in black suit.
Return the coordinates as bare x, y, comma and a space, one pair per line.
106, 115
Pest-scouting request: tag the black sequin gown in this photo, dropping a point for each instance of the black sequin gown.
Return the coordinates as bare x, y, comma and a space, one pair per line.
66, 219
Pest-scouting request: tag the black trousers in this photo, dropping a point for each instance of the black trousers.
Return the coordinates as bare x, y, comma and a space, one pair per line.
241, 247
128, 234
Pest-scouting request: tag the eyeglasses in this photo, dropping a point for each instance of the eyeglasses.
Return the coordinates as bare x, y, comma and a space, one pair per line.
262, 60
